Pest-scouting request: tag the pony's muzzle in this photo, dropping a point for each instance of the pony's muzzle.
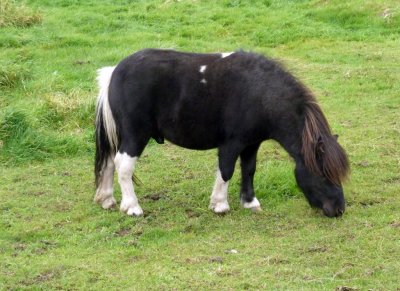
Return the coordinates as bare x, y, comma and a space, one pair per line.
333, 211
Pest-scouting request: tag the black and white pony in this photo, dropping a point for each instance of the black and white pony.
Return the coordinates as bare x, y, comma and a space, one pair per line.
231, 101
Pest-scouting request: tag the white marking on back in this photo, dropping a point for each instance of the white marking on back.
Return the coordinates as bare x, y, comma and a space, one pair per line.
224, 55
202, 69
103, 79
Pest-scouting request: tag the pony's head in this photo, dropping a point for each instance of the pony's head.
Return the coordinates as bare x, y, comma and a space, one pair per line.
323, 166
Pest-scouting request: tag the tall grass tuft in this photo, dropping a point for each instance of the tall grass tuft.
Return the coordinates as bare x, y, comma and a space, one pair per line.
75, 108
13, 126
12, 75
19, 142
16, 14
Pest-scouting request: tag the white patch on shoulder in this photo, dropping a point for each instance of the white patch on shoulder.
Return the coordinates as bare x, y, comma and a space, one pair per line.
202, 69
224, 55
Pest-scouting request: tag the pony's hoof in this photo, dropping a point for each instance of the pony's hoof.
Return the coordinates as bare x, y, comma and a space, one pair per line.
256, 209
106, 200
135, 211
220, 207
253, 205
109, 203
131, 209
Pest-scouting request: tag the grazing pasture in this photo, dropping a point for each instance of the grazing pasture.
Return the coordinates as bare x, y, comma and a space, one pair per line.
52, 234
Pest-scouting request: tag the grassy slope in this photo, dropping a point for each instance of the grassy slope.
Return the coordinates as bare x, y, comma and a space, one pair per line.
53, 236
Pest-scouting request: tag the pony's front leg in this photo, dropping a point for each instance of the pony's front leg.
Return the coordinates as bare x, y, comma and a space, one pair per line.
125, 166
227, 157
104, 191
248, 165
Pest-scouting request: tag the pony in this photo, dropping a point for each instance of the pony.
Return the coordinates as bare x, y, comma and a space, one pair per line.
230, 101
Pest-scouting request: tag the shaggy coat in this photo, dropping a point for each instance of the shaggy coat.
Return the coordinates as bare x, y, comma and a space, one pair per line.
232, 102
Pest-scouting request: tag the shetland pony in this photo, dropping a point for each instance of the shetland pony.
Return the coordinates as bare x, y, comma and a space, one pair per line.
231, 101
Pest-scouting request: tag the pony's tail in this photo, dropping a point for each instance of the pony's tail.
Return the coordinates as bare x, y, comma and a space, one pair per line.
106, 132
322, 154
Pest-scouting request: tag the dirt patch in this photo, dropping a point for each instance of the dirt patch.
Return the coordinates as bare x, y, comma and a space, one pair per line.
45, 246
46, 276
219, 260
203, 259
128, 231
188, 228
81, 62
40, 251
370, 202
135, 259
392, 180
274, 260
193, 260
154, 196
138, 233
363, 164
191, 213
133, 242
66, 174
123, 232
19, 247
317, 249
345, 288
62, 206
38, 193
308, 278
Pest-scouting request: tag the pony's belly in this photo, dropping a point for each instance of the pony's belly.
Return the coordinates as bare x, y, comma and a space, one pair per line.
196, 140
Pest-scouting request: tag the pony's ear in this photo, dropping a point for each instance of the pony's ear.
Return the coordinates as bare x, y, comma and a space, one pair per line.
335, 136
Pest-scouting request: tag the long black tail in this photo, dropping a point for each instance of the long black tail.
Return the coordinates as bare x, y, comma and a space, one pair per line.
103, 150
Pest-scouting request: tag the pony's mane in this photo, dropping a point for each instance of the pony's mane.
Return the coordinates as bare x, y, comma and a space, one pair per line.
322, 154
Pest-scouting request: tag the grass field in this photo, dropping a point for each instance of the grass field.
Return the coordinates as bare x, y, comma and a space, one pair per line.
52, 236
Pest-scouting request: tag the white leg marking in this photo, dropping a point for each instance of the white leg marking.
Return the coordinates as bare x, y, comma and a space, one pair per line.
104, 192
219, 196
202, 69
224, 55
125, 166
253, 205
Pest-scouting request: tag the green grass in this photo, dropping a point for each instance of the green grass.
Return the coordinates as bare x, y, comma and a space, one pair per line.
16, 14
52, 236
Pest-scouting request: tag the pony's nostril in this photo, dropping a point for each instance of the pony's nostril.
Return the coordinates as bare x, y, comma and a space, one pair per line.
340, 212
328, 212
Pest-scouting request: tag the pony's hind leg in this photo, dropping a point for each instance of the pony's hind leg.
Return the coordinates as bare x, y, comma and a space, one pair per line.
248, 165
219, 197
104, 191
125, 165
